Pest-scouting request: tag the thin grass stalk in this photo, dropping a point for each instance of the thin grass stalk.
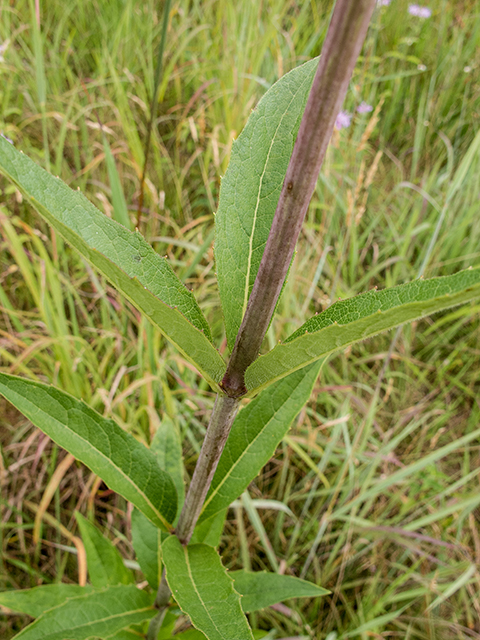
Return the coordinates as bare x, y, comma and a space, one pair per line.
154, 105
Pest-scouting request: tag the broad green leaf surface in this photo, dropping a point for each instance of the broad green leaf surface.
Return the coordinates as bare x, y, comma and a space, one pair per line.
256, 432
262, 589
104, 562
167, 446
204, 591
147, 540
124, 257
353, 320
190, 634
100, 614
210, 531
126, 465
34, 602
251, 187
127, 634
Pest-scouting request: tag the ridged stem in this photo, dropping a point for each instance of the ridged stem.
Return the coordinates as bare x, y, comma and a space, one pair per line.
342, 46
223, 414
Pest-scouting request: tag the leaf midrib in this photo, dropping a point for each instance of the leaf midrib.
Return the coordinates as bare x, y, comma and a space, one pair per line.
190, 575
250, 242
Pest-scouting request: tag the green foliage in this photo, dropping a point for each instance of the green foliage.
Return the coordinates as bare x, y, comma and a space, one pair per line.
147, 542
256, 432
167, 446
353, 461
251, 188
104, 562
209, 531
100, 613
202, 588
120, 211
121, 461
262, 589
34, 602
125, 258
353, 320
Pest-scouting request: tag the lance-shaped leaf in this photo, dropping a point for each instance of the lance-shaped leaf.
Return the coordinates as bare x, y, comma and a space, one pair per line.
34, 602
126, 465
251, 188
99, 614
262, 589
204, 591
147, 540
124, 257
256, 432
353, 320
210, 531
167, 446
104, 562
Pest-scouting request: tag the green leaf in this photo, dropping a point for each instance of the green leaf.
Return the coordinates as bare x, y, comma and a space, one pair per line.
104, 562
100, 614
251, 187
167, 446
147, 541
210, 531
125, 258
168, 624
262, 589
256, 432
34, 602
126, 465
190, 634
353, 320
127, 634
204, 591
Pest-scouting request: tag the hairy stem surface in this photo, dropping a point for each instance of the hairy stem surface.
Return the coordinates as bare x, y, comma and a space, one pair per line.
223, 414
342, 46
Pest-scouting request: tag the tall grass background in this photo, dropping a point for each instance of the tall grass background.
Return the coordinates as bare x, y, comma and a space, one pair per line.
374, 494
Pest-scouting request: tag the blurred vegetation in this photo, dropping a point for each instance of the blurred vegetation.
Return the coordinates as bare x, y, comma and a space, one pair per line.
398, 196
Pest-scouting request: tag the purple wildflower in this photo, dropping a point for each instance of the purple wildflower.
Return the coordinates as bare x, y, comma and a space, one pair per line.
343, 120
418, 11
363, 107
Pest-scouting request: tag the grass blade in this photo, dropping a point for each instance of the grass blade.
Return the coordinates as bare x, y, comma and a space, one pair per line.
120, 211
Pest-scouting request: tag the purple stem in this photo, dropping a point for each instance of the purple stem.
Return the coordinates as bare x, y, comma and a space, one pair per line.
344, 40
